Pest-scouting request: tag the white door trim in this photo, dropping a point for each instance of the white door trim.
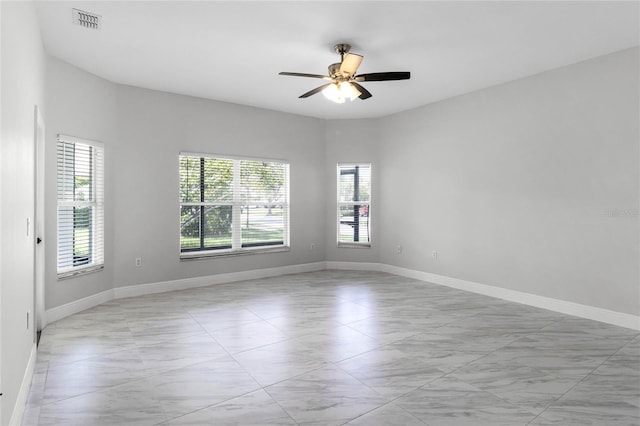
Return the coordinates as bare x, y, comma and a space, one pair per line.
39, 253
1, 398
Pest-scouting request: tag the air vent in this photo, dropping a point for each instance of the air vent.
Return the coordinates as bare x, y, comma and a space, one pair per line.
86, 19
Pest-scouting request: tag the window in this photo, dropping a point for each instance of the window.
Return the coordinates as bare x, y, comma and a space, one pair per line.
80, 205
354, 203
232, 205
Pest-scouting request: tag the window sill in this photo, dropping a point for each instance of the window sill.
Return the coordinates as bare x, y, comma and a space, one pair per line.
354, 245
79, 272
214, 254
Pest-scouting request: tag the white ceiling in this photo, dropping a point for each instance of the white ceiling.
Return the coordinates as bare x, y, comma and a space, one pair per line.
232, 51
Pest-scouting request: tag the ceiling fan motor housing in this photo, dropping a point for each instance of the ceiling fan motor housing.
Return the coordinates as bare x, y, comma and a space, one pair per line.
334, 70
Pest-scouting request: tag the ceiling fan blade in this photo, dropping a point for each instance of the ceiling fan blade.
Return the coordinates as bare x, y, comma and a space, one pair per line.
384, 76
350, 64
364, 93
314, 91
300, 74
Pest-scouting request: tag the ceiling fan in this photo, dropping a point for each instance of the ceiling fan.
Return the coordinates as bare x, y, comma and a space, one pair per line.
343, 83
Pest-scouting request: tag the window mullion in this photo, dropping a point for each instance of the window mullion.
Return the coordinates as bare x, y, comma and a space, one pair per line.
77, 203
236, 214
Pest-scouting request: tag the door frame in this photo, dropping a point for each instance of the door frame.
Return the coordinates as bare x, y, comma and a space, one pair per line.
39, 320
1, 177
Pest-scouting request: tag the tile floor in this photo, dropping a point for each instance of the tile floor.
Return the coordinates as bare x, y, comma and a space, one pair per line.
332, 348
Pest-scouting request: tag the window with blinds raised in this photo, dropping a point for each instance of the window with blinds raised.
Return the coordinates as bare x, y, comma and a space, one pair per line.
80, 205
230, 205
354, 205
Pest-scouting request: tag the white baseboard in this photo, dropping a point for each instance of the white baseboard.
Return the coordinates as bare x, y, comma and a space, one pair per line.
63, 311
80, 305
562, 306
182, 284
354, 266
23, 393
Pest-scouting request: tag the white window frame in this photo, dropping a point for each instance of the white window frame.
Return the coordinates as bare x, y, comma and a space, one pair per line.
236, 233
353, 244
97, 204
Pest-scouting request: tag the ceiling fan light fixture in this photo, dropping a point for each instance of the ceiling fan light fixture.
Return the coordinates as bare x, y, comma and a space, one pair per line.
340, 92
332, 93
349, 90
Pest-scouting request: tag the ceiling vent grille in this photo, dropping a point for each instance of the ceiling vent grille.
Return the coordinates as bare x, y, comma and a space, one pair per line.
86, 19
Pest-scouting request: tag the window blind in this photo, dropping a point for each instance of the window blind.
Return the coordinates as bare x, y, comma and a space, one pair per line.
80, 196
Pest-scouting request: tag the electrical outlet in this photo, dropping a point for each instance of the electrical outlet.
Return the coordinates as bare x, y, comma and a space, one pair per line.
138, 261
398, 249
312, 246
434, 254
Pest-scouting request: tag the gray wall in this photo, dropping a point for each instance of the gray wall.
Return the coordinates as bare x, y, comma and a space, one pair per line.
81, 105
153, 128
143, 132
351, 141
22, 89
512, 185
